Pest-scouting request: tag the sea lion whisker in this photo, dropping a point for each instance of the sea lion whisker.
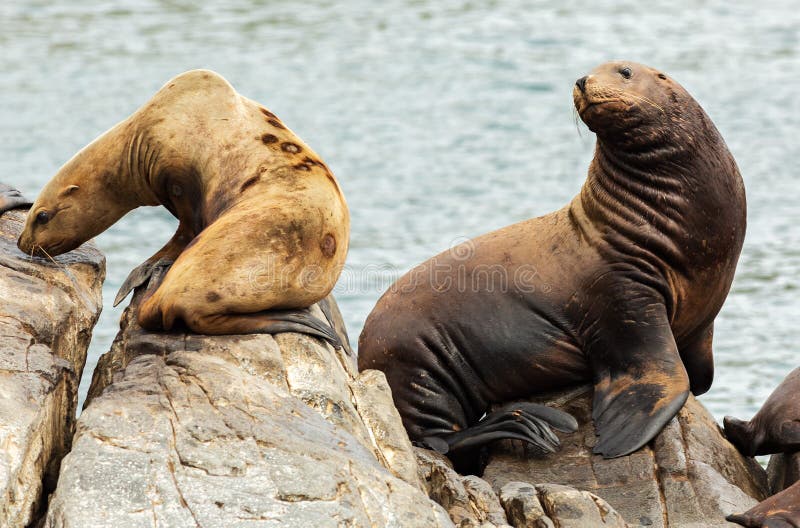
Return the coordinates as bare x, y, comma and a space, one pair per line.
645, 100
83, 295
576, 117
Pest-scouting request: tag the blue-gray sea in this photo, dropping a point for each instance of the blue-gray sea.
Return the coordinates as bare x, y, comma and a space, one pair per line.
442, 119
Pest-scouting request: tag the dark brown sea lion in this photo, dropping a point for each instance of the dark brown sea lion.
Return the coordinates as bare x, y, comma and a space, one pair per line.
779, 511
774, 429
620, 287
264, 227
776, 426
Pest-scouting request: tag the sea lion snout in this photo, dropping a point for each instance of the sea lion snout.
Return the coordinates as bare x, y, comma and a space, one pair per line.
581, 83
739, 433
25, 242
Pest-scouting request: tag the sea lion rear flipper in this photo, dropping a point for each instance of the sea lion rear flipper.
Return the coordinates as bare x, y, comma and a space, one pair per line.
334, 316
301, 321
529, 422
11, 198
640, 381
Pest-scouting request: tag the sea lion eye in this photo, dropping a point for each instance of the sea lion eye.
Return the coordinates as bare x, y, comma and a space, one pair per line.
43, 217
662, 76
626, 72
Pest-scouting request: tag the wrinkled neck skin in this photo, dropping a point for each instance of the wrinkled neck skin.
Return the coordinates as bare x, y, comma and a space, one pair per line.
191, 134
163, 176
664, 202
139, 160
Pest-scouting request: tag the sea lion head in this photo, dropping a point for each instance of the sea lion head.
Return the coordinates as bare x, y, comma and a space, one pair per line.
623, 101
80, 202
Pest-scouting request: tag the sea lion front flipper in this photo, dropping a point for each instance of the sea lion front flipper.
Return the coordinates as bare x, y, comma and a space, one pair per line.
11, 198
140, 276
698, 358
640, 381
161, 259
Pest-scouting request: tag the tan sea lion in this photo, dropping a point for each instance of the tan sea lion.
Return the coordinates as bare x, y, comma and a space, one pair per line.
263, 225
620, 287
774, 429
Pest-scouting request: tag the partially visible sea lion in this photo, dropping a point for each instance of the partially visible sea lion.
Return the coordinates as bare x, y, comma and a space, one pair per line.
776, 426
774, 429
782, 510
620, 287
11, 198
263, 225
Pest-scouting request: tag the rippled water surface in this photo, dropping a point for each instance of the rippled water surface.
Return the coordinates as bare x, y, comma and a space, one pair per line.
442, 120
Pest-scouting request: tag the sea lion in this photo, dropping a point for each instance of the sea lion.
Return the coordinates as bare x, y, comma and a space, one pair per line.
774, 429
263, 225
782, 510
620, 287
11, 198
776, 426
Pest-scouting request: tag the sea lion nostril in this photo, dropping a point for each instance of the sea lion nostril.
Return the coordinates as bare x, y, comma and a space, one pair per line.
581, 83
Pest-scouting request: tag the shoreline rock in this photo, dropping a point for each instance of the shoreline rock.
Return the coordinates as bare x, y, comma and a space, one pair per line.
254, 430
48, 312
471, 502
690, 476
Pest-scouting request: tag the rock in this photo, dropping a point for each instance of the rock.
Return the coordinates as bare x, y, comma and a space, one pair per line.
469, 501
255, 430
689, 476
47, 314
783, 471
522, 505
550, 505
571, 508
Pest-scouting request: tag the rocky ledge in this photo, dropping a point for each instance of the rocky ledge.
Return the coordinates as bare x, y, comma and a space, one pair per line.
689, 476
187, 430
48, 311
259, 430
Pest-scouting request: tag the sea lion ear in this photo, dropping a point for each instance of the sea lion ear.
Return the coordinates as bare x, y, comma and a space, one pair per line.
69, 189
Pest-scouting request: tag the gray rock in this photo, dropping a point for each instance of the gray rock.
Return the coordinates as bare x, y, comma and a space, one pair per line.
469, 501
571, 508
689, 476
522, 505
47, 314
551, 505
237, 431
485, 501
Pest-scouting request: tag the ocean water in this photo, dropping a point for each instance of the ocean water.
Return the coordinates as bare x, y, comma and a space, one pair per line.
441, 119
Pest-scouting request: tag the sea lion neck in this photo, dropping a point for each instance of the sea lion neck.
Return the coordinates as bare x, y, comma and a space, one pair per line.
139, 162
